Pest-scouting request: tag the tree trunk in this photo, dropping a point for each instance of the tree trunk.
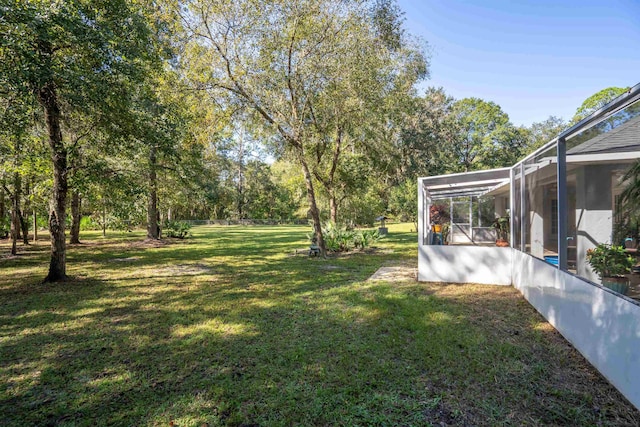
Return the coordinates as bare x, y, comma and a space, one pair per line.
313, 207
3, 209
328, 181
24, 217
35, 227
24, 226
240, 187
57, 210
104, 217
76, 216
152, 209
333, 207
15, 213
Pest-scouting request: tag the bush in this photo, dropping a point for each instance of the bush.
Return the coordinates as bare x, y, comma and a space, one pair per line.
609, 260
340, 239
365, 238
89, 223
178, 229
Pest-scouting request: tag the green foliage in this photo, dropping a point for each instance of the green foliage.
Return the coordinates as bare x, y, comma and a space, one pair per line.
597, 101
5, 227
363, 208
89, 223
339, 238
546, 130
365, 238
502, 226
479, 140
609, 260
403, 201
177, 229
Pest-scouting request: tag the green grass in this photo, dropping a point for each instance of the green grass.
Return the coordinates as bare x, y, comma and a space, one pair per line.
232, 328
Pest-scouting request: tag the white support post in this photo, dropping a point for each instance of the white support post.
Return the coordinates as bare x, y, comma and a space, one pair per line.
421, 213
523, 205
512, 194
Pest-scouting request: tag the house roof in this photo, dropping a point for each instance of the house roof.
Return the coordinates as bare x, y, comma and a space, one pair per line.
624, 138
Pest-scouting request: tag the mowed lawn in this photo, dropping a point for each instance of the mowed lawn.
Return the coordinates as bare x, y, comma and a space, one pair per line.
231, 327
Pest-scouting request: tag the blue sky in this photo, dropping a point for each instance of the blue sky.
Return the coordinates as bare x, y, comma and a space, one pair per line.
534, 58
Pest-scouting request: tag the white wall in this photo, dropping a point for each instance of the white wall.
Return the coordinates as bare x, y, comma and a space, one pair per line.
601, 325
464, 264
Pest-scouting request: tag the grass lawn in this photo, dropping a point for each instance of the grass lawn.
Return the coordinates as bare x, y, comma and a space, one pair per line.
231, 327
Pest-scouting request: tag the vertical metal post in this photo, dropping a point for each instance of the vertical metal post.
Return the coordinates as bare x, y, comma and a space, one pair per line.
562, 204
512, 204
421, 214
451, 219
523, 214
427, 224
471, 218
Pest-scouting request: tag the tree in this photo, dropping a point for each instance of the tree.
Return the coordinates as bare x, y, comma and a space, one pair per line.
478, 121
282, 60
72, 55
429, 134
597, 101
16, 141
544, 131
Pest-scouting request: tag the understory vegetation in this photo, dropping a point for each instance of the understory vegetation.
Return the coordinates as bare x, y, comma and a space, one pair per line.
341, 239
234, 327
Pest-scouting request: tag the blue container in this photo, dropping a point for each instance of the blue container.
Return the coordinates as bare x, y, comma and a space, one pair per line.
551, 259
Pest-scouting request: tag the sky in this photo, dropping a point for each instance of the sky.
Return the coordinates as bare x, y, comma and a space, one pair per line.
534, 58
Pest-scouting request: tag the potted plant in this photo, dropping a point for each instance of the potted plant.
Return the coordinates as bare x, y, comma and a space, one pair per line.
502, 227
439, 216
611, 262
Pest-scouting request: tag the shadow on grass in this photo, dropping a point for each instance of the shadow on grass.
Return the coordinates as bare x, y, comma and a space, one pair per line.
264, 338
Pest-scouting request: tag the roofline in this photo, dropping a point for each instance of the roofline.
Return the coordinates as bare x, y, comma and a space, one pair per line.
621, 101
630, 96
478, 172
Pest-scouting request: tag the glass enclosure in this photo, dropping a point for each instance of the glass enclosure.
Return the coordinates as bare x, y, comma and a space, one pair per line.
598, 158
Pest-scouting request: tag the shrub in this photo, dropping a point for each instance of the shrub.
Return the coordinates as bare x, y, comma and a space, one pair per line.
340, 239
89, 223
365, 238
609, 260
178, 229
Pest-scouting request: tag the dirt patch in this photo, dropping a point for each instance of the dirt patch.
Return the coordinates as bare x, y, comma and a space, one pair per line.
183, 270
128, 259
150, 243
395, 274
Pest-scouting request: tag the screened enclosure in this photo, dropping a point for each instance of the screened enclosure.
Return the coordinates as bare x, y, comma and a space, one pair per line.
463, 210
567, 195
556, 207
557, 203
